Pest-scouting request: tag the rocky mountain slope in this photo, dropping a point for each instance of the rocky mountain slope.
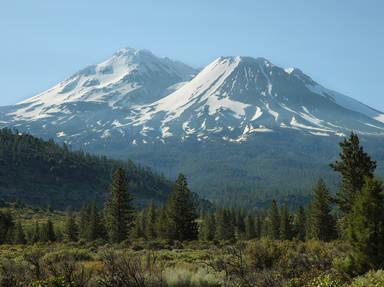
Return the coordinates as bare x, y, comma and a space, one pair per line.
137, 98
240, 123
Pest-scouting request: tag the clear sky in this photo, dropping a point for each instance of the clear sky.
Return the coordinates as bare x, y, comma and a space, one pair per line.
339, 43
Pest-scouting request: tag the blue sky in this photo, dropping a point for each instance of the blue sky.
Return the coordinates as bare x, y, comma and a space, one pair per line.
339, 43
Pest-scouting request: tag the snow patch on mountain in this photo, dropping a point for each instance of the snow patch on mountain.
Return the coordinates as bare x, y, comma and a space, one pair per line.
346, 101
379, 118
289, 70
197, 90
138, 98
258, 114
119, 81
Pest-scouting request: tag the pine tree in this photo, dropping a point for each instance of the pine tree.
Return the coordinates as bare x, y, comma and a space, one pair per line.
322, 223
162, 224
50, 231
138, 229
182, 211
95, 228
6, 227
354, 165
19, 235
259, 226
91, 223
119, 210
239, 222
150, 222
285, 224
207, 227
36, 233
84, 221
250, 232
365, 231
71, 230
224, 225
275, 221
300, 224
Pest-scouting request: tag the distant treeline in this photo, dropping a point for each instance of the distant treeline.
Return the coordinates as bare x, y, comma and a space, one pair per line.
43, 173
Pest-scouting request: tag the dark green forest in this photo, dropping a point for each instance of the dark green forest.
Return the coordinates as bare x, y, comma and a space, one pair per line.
43, 173
280, 165
337, 239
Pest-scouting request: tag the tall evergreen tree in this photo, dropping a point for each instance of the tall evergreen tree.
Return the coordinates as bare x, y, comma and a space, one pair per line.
150, 222
6, 226
224, 225
19, 235
119, 210
71, 230
95, 228
182, 211
84, 221
36, 233
250, 232
162, 224
300, 224
259, 226
207, 227
322, 223
285, 224
91, 223
138, 229
274, 221
50, 231
239, 221
354, 165
365, 231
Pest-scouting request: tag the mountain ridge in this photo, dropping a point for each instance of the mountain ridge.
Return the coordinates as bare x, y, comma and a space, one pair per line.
239, 125
120, 80
217, 88
143, 98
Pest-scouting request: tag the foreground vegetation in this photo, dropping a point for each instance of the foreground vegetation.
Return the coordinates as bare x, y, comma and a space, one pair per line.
262, 262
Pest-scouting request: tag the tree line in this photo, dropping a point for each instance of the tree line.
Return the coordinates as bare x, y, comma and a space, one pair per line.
355, 214
116, 222
42, 173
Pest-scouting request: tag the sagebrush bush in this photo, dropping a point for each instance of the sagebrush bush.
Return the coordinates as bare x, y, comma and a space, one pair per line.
326, 280
188, 278
371, 279
74, 253
264, 253
52, 282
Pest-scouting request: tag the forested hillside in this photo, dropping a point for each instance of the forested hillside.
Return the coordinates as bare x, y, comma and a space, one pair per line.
44, 173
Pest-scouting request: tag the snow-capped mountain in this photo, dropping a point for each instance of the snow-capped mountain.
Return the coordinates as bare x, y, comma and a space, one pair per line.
137, 98
237, 97
129, 77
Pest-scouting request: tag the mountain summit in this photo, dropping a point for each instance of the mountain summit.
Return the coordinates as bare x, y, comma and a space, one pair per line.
235, 97
239, 125
136, 97
129, 77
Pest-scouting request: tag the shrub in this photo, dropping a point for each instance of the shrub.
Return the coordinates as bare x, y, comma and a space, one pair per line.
125, 270
264, 254
12, 273
187, 278
371, 279
75, 254
326, 280
52, 282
